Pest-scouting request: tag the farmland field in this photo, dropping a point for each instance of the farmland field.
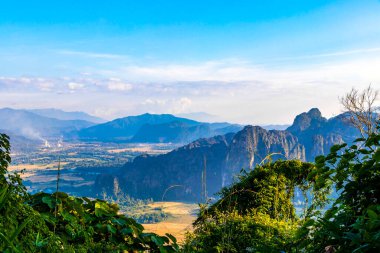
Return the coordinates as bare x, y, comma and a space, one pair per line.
80, 163
182, 215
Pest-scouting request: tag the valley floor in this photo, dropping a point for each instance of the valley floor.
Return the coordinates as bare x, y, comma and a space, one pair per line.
182, 215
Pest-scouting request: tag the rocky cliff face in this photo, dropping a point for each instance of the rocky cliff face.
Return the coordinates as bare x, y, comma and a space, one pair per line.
253, 144
318, 135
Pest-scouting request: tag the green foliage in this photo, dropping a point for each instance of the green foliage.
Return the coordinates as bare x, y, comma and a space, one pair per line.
59, 222
267, 189
255, 214
233, 232
84, 223
352, 224
17, 220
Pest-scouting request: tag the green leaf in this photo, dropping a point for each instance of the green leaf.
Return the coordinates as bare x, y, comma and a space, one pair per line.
3, 196
337, 147
157, 240
111, 229
171, 237
320, 159
361, 248
19, 229
376, 155
364, 151
127, 231
67, 216
359, 139
101, 208
371, 214
49, 201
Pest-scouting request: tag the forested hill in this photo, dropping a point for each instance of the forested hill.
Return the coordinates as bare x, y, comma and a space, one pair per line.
225, 155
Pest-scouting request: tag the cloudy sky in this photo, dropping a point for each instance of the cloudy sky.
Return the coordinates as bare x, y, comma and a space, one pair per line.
257, 62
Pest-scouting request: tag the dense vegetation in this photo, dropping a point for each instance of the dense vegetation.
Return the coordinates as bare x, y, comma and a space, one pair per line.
352, 224
62, 223
257, 214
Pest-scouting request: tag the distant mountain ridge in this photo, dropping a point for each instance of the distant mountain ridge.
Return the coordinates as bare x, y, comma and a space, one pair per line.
64, 115
147, 128
154, 128
225, 155
36, 127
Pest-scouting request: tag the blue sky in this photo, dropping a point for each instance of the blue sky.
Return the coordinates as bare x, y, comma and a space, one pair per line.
255, 62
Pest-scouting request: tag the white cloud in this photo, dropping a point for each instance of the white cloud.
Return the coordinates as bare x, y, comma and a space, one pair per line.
238, 91
46, 86
75, 86
151, 101
174, 105
118, 85
183, 104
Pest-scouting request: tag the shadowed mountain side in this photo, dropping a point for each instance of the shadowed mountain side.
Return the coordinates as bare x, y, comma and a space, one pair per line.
124, 129
63, 115
149, 177
181, 169
179, 132
154, 128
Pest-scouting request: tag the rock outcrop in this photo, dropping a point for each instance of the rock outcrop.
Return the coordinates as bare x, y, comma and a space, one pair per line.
318, 135
253, 144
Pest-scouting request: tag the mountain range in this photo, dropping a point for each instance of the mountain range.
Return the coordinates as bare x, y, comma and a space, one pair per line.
223, 157
63, 115
37, 127
41, 124
154, 128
